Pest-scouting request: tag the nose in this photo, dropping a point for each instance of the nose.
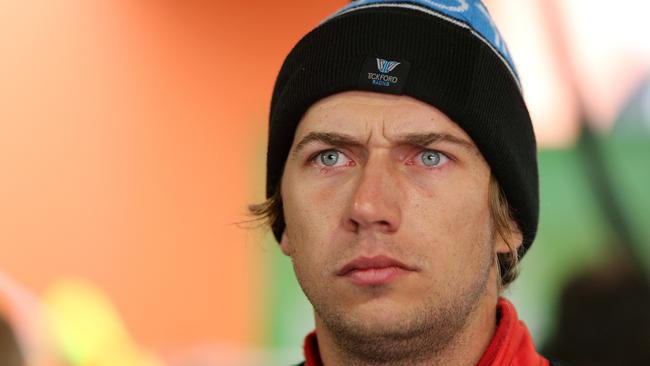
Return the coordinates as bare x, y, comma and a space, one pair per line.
375, 202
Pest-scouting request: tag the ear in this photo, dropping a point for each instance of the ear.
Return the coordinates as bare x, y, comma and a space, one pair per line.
511, 235
285, 244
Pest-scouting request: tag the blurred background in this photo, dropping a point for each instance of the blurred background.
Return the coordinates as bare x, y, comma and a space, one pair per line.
133, 136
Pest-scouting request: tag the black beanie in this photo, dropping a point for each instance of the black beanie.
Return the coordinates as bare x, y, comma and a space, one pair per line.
445, 53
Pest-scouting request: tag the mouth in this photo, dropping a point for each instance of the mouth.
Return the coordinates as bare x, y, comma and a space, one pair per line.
374, 271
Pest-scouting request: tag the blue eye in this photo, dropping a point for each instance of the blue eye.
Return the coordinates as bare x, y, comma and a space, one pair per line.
432, 159
329, 157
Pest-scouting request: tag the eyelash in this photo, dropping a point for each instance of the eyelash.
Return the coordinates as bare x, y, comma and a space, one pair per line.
314, 159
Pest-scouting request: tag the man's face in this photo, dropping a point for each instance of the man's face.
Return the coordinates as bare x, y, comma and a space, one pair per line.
387, 217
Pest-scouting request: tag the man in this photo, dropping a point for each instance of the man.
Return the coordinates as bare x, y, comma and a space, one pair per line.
402, 182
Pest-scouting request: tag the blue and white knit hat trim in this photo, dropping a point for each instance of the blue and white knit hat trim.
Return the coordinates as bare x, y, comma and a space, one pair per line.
469, 14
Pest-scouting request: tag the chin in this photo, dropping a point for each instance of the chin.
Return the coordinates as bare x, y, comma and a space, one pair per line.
381, 314
373, 326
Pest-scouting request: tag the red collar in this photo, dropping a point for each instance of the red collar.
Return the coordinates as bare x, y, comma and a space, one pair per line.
511, 344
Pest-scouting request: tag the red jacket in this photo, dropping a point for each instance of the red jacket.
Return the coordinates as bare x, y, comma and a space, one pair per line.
511, 344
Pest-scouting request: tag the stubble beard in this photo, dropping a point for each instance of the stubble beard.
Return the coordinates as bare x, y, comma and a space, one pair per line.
419, 334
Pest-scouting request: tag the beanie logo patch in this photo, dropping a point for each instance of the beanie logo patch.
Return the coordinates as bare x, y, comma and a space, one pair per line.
382, 75
385, 66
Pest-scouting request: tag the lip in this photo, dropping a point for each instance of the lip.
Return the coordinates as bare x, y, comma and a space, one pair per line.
374, 271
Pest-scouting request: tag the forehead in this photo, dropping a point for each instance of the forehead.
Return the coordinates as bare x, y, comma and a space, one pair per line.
356, 112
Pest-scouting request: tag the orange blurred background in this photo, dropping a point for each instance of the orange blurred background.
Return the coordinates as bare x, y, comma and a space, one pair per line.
122, 157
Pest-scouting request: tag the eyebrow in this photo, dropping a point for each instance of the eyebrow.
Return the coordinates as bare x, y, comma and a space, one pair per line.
328, 138
417, 139
426, 139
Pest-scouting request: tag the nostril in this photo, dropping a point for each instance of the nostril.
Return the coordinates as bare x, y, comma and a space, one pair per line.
386, 226
351, 225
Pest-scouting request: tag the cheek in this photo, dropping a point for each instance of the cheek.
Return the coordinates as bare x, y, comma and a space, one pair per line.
454, 219
312, 214
309, 226
315, 207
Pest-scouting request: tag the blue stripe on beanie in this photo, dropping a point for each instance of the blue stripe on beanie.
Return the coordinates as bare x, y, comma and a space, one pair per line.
471, 14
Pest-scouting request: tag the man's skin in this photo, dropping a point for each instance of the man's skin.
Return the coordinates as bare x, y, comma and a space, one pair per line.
375, 195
